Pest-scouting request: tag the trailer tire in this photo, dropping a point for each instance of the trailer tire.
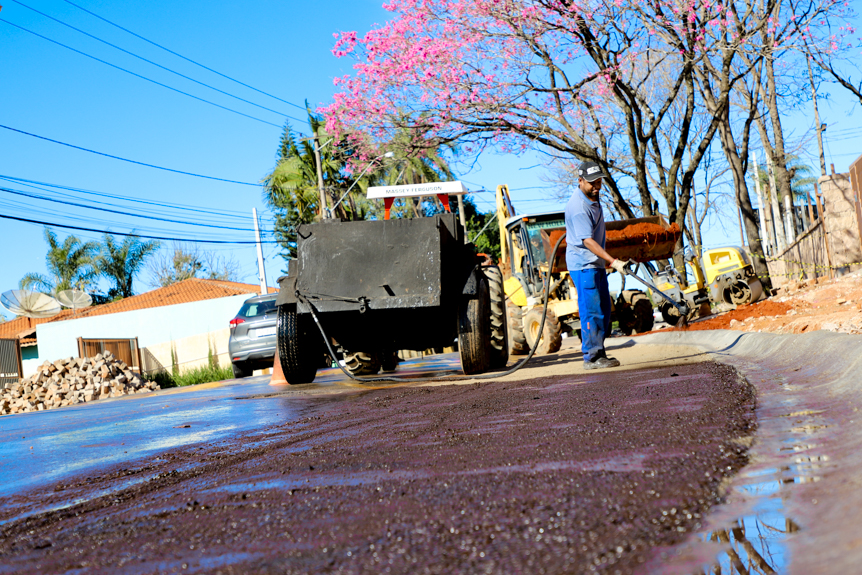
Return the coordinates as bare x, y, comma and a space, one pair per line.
474, 331
499, 329
296, 348
361, 363
517, 339
552, 336
643, 313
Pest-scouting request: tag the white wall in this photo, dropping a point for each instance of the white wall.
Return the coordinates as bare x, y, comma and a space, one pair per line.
151, 326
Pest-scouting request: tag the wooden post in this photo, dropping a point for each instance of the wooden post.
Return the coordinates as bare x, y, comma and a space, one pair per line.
140, 361
825, 232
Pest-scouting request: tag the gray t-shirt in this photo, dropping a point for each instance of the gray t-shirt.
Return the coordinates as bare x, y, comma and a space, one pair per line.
584, 219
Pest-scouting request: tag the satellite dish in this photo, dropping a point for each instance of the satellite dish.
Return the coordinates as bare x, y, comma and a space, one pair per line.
74, 298
29, 303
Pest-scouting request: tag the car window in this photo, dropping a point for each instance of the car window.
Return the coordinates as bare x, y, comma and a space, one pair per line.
257, 308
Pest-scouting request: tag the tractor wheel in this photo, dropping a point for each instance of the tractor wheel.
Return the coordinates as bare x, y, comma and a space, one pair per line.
389, 360
643, 314
670, 314
361, 363
499, 330
625, 317
474, 332
517, 339
296, 345
552, 337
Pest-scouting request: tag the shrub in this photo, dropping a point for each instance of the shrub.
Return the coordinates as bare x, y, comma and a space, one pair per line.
202, 374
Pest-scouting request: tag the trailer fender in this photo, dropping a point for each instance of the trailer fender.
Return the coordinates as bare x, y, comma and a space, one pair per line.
286, 289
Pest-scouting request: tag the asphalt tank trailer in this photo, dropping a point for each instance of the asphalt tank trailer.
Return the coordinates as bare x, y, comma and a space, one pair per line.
379, 286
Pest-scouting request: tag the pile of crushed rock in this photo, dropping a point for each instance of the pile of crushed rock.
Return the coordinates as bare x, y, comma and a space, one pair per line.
71, 381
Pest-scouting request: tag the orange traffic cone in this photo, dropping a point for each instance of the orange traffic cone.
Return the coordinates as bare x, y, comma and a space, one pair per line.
277, 373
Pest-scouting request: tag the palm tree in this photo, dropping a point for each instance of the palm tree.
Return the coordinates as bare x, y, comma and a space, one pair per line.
416, 162
70, 265
121, 262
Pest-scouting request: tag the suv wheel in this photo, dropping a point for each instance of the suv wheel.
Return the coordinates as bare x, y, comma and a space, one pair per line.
241, 370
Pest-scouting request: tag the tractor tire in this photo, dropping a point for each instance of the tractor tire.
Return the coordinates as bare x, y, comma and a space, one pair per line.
389, 361
625, 317
361, 363
643, 314
474, 332
517, 339
499, 329
552, 336
296, 345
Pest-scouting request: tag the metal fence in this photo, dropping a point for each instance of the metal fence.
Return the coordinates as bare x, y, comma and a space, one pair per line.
10, 361
124, 349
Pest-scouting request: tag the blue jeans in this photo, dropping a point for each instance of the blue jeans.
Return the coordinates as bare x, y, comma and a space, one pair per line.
594, 307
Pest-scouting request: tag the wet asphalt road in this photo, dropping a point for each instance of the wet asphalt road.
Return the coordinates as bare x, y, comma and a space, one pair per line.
563, 474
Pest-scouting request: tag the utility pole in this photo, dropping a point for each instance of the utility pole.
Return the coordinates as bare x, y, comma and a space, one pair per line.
820, 127
764, 234
463, 219
260, 270
319, 177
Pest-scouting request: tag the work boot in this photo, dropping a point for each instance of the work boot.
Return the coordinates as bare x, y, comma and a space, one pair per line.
601, 363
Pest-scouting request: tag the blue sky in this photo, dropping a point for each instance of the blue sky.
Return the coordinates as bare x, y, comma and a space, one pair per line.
282, 48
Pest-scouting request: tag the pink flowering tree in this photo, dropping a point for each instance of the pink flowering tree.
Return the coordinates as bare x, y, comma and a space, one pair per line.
614, 81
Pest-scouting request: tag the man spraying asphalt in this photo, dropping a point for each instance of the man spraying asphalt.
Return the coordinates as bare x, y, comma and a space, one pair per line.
586, 260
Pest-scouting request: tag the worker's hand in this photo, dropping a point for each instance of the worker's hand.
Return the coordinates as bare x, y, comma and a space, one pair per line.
620, 266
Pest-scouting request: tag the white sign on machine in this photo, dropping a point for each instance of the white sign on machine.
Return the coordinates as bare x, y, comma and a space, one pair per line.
414, 190
440, 189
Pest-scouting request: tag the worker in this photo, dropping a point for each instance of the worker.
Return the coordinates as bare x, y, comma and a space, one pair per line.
586, 260
537, 248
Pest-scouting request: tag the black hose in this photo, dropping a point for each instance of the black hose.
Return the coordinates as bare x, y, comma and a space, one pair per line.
510, 371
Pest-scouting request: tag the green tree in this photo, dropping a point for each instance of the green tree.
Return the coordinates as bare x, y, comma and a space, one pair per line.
70, 265
121, 262
415, 161
482, 229
291, 189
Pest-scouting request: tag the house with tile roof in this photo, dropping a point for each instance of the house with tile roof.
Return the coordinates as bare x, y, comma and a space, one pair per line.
182, 323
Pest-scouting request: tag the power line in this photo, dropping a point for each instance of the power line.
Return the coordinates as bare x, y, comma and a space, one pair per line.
142, 77
108, 210
82, 229
127, 160
35, 184
31, 211
184, 57
154, 63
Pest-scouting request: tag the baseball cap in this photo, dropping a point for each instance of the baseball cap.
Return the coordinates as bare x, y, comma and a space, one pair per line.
590, 171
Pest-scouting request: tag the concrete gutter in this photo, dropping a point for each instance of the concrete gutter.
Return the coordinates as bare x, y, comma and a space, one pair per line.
800, 494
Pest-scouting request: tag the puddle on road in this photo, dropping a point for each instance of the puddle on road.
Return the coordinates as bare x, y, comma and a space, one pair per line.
757, 541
